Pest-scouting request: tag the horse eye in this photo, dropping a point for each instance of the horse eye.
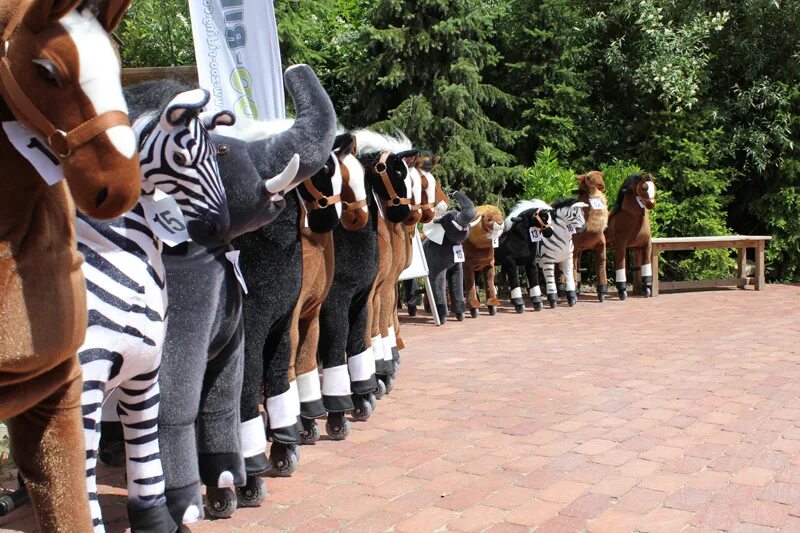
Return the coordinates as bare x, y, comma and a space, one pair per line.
179, 158
223, 149
48, 71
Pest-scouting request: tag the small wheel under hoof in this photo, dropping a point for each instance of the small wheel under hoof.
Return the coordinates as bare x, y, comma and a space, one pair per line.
492, 310
13, 500
283, 459
338, 429
519, 308
460, 317
412, 310
647, 292
537, 306
363, 410
553, 302
253, 493
373, 401
381, 389
113, 454
601, 297
572, 301
310, 433
389, 381
473, 313
221, 501
623, 295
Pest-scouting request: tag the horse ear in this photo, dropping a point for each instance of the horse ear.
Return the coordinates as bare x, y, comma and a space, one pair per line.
580, 204
182, 105
580, 177
516, 219
223, 118
42, 13
111, 13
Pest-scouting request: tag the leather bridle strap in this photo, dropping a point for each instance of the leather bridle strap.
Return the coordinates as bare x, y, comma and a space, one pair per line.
352, 206
320, 200
394, 200
63, 143
539, 219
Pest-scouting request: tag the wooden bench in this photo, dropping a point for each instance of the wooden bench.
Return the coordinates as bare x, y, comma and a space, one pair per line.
740, 242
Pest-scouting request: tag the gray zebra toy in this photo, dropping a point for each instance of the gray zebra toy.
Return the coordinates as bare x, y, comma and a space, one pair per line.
554, 248
182, 197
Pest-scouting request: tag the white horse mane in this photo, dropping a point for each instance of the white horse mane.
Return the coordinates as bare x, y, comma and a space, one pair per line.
256, 130
524, 205
369, 142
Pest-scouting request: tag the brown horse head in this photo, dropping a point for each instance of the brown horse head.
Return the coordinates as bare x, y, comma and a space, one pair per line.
383, 158
355, 212
591, 182
491, 226
414, 185
60, 52
645, 189
641, 188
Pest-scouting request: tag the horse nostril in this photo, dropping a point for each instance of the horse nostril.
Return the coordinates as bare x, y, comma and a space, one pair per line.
101, 197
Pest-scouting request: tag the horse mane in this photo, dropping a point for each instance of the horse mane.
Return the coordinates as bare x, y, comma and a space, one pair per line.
522, 206
370, 142
625, 187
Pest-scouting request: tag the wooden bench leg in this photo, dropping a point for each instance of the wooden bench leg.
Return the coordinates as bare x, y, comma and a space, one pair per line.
741, 266
760, 278
654, 265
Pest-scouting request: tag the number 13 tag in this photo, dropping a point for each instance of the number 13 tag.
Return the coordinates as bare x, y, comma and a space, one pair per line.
458, 253
33, 148
165, 219
536, 235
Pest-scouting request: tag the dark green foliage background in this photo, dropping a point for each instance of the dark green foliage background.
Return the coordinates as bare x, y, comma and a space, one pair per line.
519, 95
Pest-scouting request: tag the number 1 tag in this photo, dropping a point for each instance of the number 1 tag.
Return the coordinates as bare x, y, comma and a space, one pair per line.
34, 149
640, 202
596, 203
165, 219
495, 241
458, 253
536, 235
233, 257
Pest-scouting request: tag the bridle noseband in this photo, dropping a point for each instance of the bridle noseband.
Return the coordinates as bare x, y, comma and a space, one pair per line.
63, 143
320, 201
538, 219
394, 200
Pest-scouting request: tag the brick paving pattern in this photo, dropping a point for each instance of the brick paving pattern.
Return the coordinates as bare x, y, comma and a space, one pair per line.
679, 413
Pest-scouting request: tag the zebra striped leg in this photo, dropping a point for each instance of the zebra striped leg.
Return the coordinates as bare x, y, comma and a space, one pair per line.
138, 412
92, 402
566, 268
550, 281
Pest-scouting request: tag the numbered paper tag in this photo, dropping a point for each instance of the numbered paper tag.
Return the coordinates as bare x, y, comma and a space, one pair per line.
536, 234
572, 230
596, 203
458, 253
495, 241
33, 148
165, 219
640, 202
233, 257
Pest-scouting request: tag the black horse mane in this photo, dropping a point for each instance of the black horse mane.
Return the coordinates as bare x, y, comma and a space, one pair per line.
153, 95
625, 187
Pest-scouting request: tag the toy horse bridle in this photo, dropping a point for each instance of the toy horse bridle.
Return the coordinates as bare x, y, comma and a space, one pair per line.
320, 200
394, 200
428, 206
539, 219
63, 143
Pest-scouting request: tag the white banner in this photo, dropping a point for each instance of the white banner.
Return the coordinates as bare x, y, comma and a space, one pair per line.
238, 58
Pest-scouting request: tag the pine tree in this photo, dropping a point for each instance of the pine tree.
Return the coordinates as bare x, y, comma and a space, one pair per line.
423, 73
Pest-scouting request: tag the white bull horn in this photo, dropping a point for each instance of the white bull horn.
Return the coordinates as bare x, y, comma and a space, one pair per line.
475, 222
280, 182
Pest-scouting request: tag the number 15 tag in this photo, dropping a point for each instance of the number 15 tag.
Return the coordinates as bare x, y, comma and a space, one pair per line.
458, 253
165, 219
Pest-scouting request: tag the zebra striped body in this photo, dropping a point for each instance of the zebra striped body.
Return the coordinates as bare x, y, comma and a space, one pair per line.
127, 298
558, 247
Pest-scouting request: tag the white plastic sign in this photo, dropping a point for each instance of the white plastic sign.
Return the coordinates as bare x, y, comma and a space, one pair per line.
640, 202
458, 253
536, 235
495, 241
596, 203
165, 219
34, 149
572, 230
233, 257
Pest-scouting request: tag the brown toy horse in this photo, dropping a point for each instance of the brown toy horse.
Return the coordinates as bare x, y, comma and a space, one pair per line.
591, 191
60, 79
629, 227
479, 257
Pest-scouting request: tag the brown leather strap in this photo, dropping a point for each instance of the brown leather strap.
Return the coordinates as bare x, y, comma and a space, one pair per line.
320, 200
425, 206
61, 142
539, 219
394, 200
352, 206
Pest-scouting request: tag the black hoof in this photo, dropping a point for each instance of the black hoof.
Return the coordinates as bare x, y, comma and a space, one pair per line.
492, 310
572, 298
601, 297
253, 493
552, 299
537, 306
412, 310
473, 313
647, 291
623, 295
389, 382
519, 308
460, 317
221, 501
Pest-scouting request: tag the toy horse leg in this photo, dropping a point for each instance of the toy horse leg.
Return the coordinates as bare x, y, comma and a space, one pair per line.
566, 267
471, 288
252, 433
647, 269
96, 376
511, 272
387, 332
600, 267
491, 290
49, 443
455, 288
549, 270
138, 408
308, 384
535, 292
411, 291
620, 252
360, 361
334, 323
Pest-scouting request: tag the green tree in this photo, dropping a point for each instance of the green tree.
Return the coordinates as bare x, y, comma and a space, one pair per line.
156, 33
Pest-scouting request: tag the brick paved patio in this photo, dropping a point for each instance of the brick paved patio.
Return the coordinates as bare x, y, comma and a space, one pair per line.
680, 413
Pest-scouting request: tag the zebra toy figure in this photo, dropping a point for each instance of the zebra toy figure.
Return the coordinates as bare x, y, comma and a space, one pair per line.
567, 219
181, 197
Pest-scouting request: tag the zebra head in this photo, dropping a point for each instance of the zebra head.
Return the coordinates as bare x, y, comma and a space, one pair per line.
569, 213
178, 158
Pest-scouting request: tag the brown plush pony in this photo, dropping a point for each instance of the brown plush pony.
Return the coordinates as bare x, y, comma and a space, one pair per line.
479, 257
629, 227
48, 48
591, 190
